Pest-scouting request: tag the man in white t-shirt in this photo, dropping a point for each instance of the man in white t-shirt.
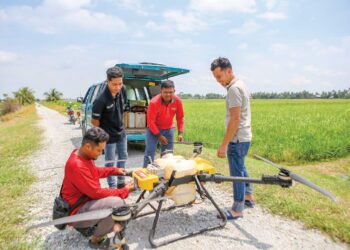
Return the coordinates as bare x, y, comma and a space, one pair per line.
238, 134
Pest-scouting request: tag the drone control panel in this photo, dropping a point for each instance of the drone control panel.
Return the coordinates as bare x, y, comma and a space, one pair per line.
143, 179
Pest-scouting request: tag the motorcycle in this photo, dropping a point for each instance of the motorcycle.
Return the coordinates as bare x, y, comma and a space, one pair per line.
71, 117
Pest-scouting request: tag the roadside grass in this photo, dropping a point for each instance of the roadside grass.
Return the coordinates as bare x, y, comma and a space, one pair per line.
61, 105
298, 202
19, 137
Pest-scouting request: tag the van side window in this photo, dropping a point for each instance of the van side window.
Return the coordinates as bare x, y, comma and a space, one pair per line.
86, 95
130, 93
141, 93
146, 93
95, 93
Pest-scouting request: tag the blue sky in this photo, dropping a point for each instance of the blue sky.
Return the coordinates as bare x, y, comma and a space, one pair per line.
273, 45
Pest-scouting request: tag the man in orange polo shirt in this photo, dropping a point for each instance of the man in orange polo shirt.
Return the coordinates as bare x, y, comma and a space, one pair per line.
160, 117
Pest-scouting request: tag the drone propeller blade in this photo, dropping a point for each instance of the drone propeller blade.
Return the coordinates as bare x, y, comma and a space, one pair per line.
299, 179
98, 214
268, 161
308, 183
91, 215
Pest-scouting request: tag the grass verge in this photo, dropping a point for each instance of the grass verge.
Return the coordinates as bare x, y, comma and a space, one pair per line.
299, 202
19, 137
61, 106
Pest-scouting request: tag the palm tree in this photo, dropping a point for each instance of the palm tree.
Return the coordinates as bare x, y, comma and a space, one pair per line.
53, 95
24, 96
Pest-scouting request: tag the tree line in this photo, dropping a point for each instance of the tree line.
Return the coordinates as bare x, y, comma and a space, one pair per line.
340, 94
24, 96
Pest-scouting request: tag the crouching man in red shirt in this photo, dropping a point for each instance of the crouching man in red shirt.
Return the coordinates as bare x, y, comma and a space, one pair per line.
82, 178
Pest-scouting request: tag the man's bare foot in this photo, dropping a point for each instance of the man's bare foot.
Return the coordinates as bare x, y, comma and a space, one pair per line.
117, 228
236, 214
96, 239
249, 197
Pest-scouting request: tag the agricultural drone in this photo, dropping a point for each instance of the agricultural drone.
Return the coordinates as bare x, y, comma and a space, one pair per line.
178, 179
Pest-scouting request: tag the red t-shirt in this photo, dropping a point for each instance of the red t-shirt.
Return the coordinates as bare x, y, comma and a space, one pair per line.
81, 177
161, 116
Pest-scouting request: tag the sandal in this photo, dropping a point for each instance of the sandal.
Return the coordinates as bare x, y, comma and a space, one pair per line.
229, 215
249, 203
102, 244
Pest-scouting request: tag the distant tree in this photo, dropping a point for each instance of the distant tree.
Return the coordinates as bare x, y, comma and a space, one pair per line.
213, 96
53, 95
340, 94
197, 96
24, 96
8, 105
184, 95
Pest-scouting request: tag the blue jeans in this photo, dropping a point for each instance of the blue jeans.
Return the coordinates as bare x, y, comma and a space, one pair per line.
236, 153
152, 142
119, 148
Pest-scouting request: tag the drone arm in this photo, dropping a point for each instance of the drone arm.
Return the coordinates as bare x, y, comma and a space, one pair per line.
283, 181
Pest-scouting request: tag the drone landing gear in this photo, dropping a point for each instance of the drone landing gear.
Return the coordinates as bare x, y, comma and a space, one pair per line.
204, 194
121, 216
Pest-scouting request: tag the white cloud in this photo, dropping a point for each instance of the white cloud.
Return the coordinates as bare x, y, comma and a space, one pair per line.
291, 64
273, 16
248, 27
6, 56
310, 68
157, 26
67, 4
242, 46
211, 6
135, 5
94, 21
174, 43
300, 80
280, 48
184, 22
110, 63
138, 34
270, 4
321, 49
58, 16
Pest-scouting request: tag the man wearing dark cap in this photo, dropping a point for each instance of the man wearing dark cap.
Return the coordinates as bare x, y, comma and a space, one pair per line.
160, 125
107, 113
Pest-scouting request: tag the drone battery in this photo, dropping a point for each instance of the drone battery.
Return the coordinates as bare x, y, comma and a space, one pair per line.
144, 179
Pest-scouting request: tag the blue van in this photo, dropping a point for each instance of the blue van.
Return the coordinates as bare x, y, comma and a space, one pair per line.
141, 82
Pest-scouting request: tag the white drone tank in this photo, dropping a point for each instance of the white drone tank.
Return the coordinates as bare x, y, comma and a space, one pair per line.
183, 193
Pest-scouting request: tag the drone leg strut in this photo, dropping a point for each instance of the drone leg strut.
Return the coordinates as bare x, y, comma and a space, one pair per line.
155, 244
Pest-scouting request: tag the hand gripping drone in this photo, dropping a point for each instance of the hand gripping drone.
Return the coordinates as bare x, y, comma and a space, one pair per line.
178, 179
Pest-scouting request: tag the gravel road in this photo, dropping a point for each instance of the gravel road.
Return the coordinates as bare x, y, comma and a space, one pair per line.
257, 230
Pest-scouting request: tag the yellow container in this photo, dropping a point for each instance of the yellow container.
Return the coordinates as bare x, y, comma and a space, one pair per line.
144, 180
204, 166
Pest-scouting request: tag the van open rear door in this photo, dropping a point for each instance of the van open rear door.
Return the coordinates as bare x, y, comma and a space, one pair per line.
150, 71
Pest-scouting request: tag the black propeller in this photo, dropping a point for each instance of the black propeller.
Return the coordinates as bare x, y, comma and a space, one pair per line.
298, 178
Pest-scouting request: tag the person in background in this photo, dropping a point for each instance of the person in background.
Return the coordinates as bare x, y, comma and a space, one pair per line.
107, 113
160, 126
238, 136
